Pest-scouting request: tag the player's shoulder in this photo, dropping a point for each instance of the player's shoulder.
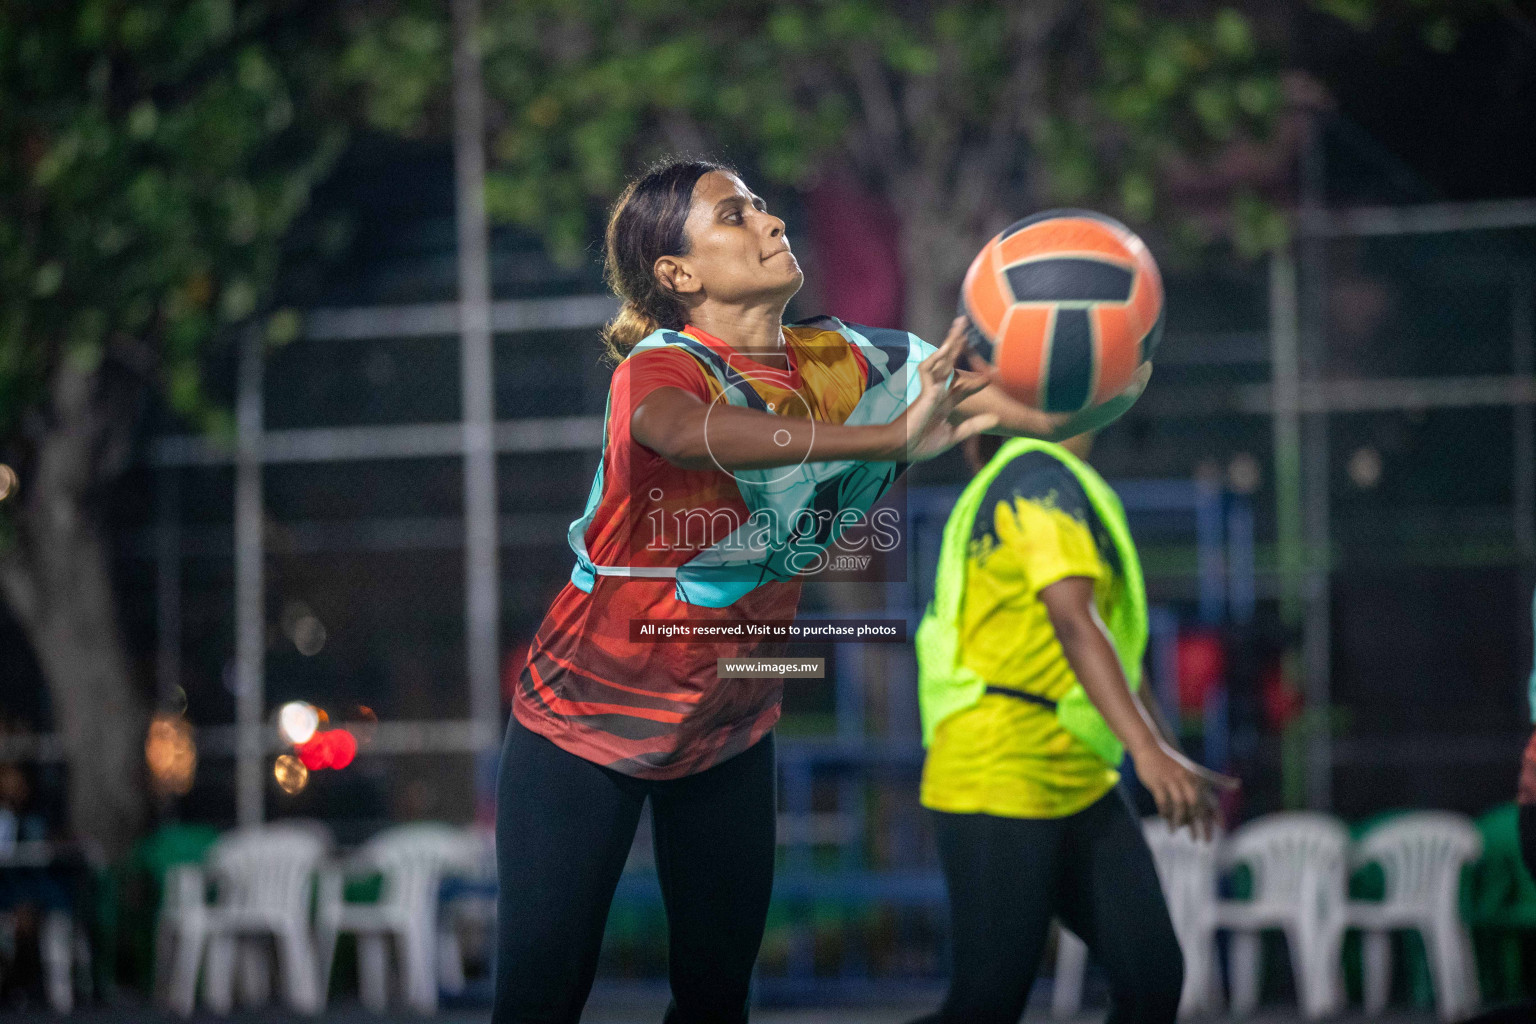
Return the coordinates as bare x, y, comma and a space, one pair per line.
880, 337
1039, 476
664, 344
662, 354
889, 348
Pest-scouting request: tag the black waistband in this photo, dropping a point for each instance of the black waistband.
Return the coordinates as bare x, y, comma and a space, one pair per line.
1033, 698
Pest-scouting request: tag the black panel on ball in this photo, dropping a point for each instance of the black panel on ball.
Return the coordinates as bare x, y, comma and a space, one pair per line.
1069, 279
1069, 380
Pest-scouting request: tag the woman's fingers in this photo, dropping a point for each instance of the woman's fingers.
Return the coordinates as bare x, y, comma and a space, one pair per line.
977, 424
1189, 800
1210, 815
1169, 806
954, 340
1139, 379
943, 359
1216, 780
965, 384
955, 336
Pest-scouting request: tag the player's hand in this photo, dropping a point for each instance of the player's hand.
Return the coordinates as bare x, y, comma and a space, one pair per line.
926, 427
1185, 792
1105, 413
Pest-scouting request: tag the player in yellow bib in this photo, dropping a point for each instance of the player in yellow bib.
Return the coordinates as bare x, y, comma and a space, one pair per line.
1030, 658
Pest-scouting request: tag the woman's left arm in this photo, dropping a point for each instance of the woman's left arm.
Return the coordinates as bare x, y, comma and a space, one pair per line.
1015, 419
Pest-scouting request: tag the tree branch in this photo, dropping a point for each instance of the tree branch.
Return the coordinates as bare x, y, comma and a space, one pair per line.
19, 587
922, 101
1023, 102
880, 112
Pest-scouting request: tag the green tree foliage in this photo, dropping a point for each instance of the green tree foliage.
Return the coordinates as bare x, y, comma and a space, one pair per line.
964, 113
151, 164
154, 155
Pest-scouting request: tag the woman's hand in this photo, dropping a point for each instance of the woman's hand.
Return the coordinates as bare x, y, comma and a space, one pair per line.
1185, 791
693, 434
1105, 413
930, 425
1015, 419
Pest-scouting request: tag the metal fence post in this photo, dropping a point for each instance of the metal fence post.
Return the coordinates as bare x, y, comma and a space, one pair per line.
250, 585
482, 598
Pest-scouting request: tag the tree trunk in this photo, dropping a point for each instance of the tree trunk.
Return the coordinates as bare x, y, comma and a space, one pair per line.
56, 576
936, 249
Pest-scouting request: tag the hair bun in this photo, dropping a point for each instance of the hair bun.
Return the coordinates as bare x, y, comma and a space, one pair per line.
630, 326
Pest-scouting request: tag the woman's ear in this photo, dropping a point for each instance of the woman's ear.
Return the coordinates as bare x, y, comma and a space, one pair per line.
674, 275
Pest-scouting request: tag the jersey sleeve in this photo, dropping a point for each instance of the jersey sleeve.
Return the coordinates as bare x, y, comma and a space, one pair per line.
918, 350
1043, 515
644, 372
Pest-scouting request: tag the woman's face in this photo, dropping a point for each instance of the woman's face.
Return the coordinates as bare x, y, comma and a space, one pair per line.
737, 252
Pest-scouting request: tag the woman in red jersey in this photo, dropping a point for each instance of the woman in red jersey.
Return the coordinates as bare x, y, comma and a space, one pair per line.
736, 448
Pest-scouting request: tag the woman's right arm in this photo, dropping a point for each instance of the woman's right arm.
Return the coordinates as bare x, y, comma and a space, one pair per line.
1181, 787
693, 434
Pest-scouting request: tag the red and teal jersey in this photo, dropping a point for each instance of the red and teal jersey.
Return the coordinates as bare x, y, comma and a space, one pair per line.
658, 709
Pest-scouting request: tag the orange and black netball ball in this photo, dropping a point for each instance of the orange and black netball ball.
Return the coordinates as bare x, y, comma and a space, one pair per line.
1066, 305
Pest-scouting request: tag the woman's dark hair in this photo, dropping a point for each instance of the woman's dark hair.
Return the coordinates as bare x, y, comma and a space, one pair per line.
978, 450
647, 224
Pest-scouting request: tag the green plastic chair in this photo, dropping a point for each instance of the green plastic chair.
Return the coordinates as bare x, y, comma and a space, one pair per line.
1502, 903
138, 883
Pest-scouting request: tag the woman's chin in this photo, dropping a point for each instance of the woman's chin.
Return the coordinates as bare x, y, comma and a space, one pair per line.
784, 289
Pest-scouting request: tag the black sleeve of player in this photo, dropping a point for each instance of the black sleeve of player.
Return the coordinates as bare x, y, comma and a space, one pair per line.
1035, 476
1041, 477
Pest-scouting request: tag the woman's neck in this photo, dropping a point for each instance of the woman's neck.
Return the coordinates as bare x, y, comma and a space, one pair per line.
756, 331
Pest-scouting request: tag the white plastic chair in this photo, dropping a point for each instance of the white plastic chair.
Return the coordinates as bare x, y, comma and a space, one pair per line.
60, 945
1421, 857
63, 945
1071, 968
263, 877
473, 911
1297, 859
413, 859
1186, 867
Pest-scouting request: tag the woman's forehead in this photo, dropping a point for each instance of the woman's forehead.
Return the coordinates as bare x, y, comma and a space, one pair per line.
718, 185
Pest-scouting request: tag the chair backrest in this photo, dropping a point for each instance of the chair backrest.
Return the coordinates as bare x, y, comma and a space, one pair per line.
1297, 859
1502, 880
414, 858
268, 869
1421, 856
1186, 867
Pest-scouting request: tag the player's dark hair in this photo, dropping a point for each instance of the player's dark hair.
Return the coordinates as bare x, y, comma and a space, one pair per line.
646, 224
978, 450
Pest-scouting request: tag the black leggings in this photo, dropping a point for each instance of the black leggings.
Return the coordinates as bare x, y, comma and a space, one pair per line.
1008, 877
564, 827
